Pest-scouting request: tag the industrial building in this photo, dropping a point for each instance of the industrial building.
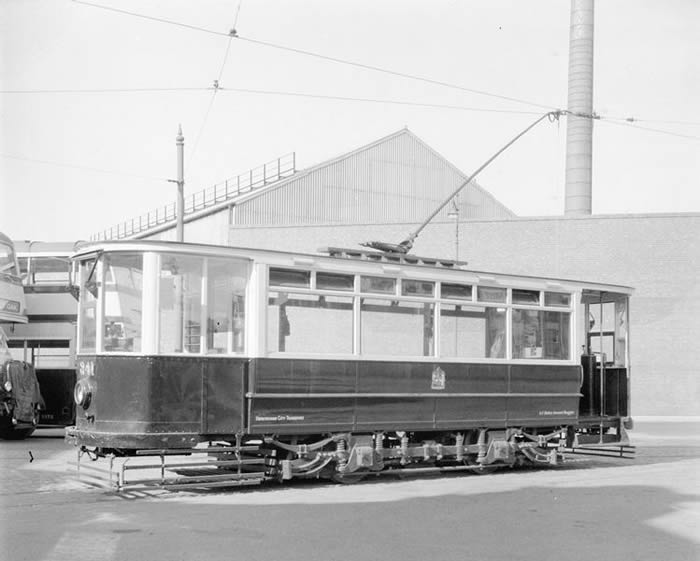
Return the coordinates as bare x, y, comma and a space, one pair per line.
384, 190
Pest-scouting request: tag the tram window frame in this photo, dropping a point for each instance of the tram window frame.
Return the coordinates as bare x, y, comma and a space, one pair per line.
90, 278
292, 275
541, 331
308, 317
391, 309
123, 332
207, 335
372, 284
451, 291
333, 286
489, 323
491, 294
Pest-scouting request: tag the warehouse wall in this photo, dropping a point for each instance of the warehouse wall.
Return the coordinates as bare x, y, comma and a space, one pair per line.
657, 254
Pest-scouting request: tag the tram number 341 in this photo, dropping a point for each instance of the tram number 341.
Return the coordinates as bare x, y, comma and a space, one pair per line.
86, 368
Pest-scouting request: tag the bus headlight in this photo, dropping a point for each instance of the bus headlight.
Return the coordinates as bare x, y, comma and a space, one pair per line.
8, 386
82, 394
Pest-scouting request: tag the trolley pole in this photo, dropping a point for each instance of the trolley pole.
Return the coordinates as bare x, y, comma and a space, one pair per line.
180, 207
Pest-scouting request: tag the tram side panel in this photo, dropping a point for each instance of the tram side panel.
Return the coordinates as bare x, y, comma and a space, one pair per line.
302, 396
152, 402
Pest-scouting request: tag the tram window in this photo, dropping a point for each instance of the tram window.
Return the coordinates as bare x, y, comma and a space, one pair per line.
531, 297
88, 307
472, 332
334, 281
558, 299
309, 323
226, 284
290, 277
379, 285
541, 335
417, 288
607, 321
456, 291
491, 294
399, 328
603, 347
123, 302
180, 304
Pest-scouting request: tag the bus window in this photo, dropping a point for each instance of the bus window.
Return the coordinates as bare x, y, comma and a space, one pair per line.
49, 269
472, 332
7, 260
123, 296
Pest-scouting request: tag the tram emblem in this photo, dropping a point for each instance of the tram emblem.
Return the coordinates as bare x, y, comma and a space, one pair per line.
438, 382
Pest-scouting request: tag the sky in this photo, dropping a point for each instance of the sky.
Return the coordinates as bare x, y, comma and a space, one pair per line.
91, 98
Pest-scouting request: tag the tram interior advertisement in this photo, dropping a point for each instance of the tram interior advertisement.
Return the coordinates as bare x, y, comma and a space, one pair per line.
258, 365
20, 397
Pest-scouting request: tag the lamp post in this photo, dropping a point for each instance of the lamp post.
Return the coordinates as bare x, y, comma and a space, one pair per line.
180, 207
454, 213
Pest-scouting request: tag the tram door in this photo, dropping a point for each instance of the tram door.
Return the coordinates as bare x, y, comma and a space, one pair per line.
605, 358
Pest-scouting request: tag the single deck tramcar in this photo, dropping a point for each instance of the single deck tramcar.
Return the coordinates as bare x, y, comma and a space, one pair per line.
341, 364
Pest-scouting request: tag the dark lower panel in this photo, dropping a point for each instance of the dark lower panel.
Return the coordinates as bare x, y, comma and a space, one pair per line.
56, 386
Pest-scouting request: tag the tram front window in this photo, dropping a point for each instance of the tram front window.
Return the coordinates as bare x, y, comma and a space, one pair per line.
87, 339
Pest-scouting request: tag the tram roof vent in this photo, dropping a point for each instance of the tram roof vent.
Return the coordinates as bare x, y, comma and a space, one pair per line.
387, 257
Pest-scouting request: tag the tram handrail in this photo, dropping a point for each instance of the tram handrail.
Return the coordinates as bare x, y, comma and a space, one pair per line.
251, 180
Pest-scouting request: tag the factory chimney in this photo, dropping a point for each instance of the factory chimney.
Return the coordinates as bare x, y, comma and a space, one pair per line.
579, 130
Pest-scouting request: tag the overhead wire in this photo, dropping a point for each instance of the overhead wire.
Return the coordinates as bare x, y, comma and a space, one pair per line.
232, 34
216, 85
87, 168
649, 129
103, 90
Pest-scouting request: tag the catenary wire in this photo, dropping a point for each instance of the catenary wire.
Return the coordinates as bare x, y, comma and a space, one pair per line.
611, 120
87, 168
320, 56
649, 129
216, 86
232, 34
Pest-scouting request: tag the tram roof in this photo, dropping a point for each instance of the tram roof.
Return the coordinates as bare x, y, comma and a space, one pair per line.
367, 262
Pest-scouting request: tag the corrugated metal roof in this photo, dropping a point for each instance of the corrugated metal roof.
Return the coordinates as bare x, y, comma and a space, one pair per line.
397, 178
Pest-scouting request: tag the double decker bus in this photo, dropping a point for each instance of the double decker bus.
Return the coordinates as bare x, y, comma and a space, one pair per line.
47, 340
20, 398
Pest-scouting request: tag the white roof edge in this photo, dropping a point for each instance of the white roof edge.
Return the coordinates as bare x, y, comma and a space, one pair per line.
158, 245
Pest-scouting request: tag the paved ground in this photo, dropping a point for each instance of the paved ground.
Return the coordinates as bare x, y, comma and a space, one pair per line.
646, 509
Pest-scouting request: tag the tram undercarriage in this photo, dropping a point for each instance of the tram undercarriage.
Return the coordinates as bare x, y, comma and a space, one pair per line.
343, 457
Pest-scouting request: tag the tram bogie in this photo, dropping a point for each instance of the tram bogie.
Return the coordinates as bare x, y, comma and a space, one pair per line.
316, 366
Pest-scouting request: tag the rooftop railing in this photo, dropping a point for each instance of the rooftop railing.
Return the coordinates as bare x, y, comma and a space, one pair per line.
242, 184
